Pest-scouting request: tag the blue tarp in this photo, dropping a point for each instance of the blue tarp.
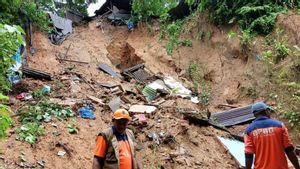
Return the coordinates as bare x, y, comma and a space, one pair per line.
15, 74
86, 113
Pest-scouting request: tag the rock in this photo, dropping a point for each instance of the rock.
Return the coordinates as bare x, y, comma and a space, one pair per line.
194, 141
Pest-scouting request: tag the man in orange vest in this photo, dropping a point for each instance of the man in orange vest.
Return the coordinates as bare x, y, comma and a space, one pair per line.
268, 141
115, 145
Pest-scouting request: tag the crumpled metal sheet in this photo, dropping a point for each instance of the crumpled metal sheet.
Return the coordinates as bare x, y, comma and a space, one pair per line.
61, 23
138, 73
107, 69
233, 116
115, 104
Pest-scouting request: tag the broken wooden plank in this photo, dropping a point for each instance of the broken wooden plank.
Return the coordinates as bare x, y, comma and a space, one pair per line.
37, 74
95, 100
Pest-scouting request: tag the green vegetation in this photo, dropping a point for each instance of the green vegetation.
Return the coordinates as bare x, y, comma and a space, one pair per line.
10, 38
282, 51
17, 12
286, 84
32, 116
256, 16
71, 127
195, 73
267, 56
231, 34
172, 30
145, 10
246, 39
29, 132
5, 120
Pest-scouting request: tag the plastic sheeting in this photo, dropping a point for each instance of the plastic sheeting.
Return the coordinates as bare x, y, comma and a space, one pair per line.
235, 148
15, 74
179, 90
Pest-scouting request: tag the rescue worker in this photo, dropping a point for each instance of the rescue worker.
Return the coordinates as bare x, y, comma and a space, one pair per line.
267, 141
115, 145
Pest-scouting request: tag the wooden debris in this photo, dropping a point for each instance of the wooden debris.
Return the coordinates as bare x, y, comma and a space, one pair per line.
227, 105
69, 60
95, 99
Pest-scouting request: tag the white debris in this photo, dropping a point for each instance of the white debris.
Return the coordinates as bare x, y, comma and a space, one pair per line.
61, 153
142, 109
179, 90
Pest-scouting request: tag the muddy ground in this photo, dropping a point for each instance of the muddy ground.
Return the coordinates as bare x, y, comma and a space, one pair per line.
227, 71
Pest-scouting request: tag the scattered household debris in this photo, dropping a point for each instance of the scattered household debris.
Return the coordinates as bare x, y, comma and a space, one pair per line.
119, 17
117, 90
178, 89
194, 116
75, 88
235, 148
74, 16
142, 109
37, 74
140, 118
70, 60
104, 8
86, 113
42, 163
24, 96
61, 153
107, 69
107, 85
95, 99
46, 89
232, 117
149, 93
15, 75
115, 104
154, 137
136, 72
63, 28
226, 105
65, 147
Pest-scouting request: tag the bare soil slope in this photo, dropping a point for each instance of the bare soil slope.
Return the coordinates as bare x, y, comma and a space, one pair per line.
230, 74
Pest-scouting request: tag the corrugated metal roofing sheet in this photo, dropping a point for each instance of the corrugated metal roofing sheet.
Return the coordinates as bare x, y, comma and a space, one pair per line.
138, 73
232, 116
141, 75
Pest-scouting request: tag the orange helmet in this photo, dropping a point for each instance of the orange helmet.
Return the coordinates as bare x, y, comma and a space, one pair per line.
121, 114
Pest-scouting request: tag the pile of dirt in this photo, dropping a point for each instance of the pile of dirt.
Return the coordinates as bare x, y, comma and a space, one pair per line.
122, 55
